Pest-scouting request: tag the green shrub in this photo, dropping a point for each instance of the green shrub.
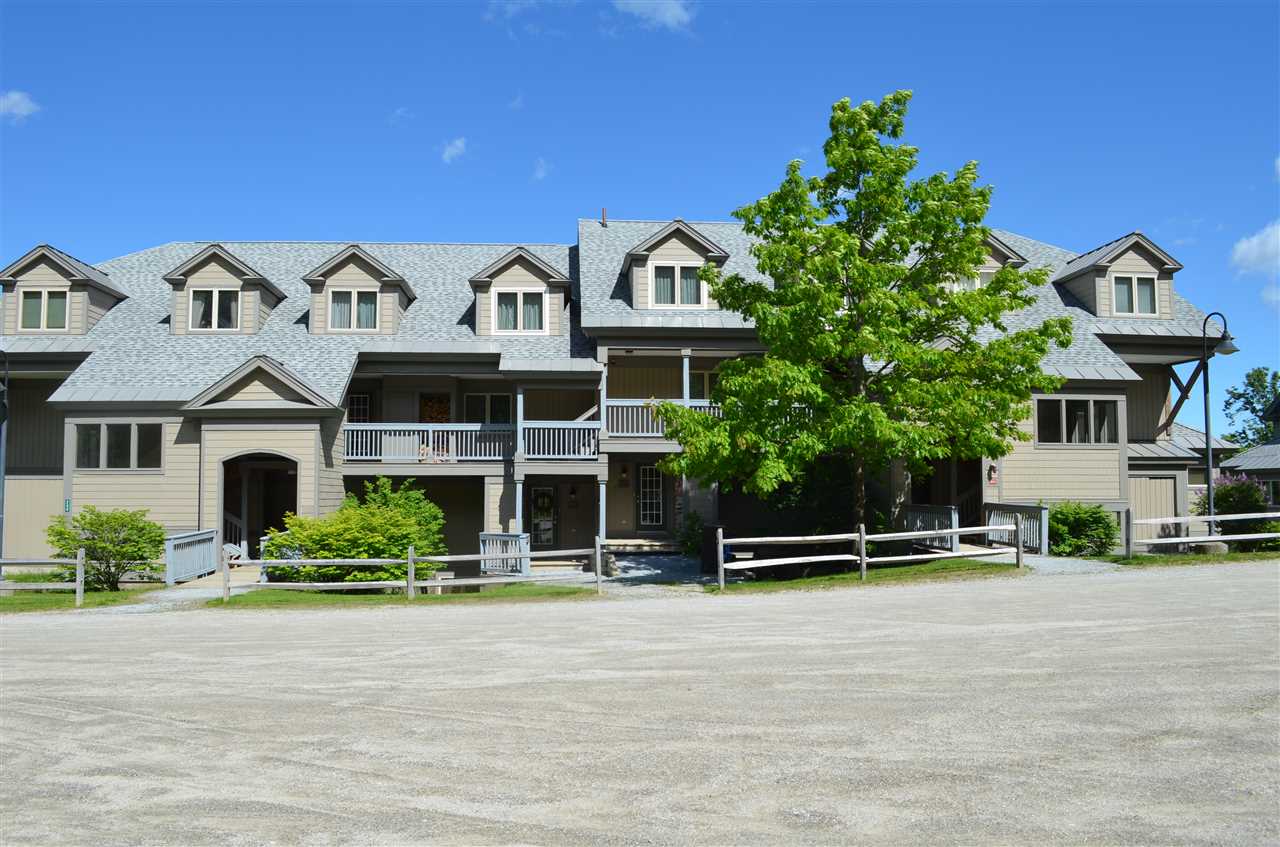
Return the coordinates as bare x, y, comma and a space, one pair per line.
383, 526
1079, 530
690, 538
115, 542
1239, 495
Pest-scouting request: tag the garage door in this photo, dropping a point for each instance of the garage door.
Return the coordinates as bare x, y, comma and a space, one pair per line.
1153, 497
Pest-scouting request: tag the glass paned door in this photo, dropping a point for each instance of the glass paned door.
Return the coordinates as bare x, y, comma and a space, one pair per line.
650, 494
542, 516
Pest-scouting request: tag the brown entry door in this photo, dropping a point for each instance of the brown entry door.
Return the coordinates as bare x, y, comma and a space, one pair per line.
542, 516
433, 408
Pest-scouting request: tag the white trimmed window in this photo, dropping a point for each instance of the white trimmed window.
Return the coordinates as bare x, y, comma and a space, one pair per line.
214, 308
982, 280
1134, 295
358, 408
487, 408
119, 446
353, 310
519, 311
676, 286
44, 310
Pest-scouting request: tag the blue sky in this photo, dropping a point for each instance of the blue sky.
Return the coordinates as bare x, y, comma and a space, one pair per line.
123, 126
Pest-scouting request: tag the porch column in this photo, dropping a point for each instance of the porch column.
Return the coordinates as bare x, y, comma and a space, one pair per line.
604, 394
684, 374
519, 519
519, 428
600, 519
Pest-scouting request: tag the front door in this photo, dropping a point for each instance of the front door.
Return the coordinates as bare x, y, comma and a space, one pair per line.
542, 516
433, 408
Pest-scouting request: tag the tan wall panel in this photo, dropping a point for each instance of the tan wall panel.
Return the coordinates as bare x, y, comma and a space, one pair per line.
1140, 261
500, 504
332, 451
35, 436
29, 504
660, 380
266, 437
1031, 473
1152, 497
259, 387
639, 284
557, 404
170, 497
1148, 403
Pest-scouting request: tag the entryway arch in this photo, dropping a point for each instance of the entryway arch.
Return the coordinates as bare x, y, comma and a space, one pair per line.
257, 488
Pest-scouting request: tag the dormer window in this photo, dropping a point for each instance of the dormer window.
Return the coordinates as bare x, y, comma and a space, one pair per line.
350, 309
215, 309
1135, 295
982, 280
519, 311
44, 310
666, 292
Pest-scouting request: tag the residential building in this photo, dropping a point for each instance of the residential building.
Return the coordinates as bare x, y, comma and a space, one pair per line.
1263, 461
223, 385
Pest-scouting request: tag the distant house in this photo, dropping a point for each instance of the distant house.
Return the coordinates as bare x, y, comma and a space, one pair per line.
1262, 462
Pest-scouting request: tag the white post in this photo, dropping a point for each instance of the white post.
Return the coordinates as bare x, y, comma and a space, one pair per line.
410, 590
720, 555
80, 577
168, 561
519, 426
862, 552
955, 524
226, 574
598, 553
600, 508
684, 375
1128, 533
604, 400
1044, 530
1017, 537
519, 519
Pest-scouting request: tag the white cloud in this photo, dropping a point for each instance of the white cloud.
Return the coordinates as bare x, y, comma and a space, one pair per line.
17, 106
541, 167
1260, 252
453, 149
516, 103
663, 14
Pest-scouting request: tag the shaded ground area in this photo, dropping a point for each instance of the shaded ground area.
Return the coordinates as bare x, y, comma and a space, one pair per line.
1134, 707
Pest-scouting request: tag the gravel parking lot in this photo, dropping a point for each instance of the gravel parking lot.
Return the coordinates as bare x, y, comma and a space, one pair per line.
1130, 707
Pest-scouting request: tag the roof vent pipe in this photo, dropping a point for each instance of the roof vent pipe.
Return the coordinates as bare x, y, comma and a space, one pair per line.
604, 216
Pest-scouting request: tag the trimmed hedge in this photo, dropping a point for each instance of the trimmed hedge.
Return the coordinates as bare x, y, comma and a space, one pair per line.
1076, 529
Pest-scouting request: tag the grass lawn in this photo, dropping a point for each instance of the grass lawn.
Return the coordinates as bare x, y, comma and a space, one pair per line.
14, 575
50, 601
939, 569
1153, 560
268, 598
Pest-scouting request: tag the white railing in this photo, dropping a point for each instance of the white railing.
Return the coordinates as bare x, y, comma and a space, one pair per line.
1035, 524
190, 555
919, 516
500, 545
233, 530
859, 540
635, 418
1130, 523
561, 439
410, 584
77, 586
436, 443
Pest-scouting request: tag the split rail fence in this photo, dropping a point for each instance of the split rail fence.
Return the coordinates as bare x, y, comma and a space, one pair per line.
1130, 542
860, 539
77, 586
411, 584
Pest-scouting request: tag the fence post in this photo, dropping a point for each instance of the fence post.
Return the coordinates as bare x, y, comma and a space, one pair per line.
720, 556
1128, 533
955, 524
1017, 537
168, 561
410, 590
226, 575
862, 552
596, 558
80, 577
1044, 531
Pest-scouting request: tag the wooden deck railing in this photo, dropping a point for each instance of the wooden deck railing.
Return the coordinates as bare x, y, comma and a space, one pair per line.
561, 439
435, 443
635, 418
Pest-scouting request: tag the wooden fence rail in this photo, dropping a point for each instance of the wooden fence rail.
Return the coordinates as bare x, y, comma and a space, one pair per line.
77, 586
1130, 542
859, 552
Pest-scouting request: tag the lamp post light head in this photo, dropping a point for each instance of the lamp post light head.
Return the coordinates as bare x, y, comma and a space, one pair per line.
1226, 345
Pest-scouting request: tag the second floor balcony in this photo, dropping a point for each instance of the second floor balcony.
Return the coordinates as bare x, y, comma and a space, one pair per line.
448, 443
636, 418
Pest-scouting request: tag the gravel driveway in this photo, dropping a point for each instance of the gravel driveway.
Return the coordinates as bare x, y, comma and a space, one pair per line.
1128, 707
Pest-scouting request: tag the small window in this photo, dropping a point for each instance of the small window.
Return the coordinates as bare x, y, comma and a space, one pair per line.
1135, 295
487, 408
215, 308
358, 408
982, 280
119, 446
44, 310
650, 496
1071, 421
350, 310
667, 293
701, 384
519, 311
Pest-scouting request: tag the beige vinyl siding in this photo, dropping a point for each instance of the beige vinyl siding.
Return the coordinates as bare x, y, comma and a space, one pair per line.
259, 387
484, 310
1138, 261
98, 304
499, 504
1153, 497
266, 302
661, 380
35, 436
287, 438
29, 504
1148, 403
557, 404
639, 284
1102, 292
1031, 472
332, 451
1085, 288
170, 496
250, 309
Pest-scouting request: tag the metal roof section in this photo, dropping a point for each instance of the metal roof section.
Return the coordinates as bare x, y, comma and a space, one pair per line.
1160, 450
1264, 457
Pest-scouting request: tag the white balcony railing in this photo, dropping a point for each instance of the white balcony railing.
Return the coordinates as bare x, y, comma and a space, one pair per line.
429, 443
635, 418
561, 439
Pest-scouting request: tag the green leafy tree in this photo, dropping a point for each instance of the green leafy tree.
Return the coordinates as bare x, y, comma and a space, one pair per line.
115, 542
1246, 404
872, 353
1234, 494
383, 526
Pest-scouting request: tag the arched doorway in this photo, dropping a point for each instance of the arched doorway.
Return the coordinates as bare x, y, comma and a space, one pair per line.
257, 490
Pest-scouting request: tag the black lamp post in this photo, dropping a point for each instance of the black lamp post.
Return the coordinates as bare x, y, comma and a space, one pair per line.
1225, 346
